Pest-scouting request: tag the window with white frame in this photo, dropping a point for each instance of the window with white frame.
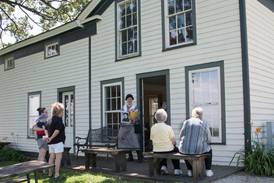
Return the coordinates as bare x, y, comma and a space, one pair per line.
112, 104
9, 63
179, 26
34, 102
52, 49
205, 91
127, 28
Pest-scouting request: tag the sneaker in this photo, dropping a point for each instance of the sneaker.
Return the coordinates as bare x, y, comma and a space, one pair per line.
178, 172
189, 173
164, 170
209, 173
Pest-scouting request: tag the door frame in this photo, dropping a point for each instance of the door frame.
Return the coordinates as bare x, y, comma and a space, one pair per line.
60, 92
139, 88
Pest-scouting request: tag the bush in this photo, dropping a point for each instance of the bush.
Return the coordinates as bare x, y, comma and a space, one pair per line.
9, 154
260, 160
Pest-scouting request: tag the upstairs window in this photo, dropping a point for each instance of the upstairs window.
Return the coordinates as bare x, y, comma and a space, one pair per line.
179, 23
128, 30
9, 63
52, 49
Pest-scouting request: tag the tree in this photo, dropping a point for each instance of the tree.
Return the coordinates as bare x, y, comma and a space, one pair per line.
43, 13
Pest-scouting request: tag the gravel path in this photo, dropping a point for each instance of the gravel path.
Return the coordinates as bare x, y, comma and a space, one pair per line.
243, 178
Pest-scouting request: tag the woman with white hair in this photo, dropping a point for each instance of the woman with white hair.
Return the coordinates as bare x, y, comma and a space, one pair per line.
163, 140
195, 138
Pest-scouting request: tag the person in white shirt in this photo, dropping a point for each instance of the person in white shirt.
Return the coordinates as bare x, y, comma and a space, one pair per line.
163, 140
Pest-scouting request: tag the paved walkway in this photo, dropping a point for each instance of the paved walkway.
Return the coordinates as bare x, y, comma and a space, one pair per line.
243, 178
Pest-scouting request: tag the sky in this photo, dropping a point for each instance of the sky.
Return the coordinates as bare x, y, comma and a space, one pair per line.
7, 38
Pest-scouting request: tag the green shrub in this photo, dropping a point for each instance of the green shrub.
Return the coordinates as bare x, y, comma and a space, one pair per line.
9, 154
260, 160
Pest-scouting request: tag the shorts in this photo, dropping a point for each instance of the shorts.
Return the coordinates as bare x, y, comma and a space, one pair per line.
56, 148
42, 144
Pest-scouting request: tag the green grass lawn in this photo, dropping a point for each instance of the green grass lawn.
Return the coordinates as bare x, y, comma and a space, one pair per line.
74, 176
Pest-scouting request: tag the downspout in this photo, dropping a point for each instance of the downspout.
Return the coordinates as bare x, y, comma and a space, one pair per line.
81, 25
245, 75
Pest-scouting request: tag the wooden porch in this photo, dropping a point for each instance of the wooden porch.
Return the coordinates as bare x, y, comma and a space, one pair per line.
140, 171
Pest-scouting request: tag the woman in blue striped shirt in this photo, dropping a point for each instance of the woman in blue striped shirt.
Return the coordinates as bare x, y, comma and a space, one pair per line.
195, 139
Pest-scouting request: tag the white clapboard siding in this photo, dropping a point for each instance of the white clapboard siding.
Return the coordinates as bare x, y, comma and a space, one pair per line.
34, 73
218, 38
260, 26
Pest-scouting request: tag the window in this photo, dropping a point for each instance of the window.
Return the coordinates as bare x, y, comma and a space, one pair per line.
128, 28
205, 89
112, 105
34, 102
52, 49
9, 63
179, 22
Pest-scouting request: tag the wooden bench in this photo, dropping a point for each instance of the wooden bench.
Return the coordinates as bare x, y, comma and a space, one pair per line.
119, 157
25, 168
197, 162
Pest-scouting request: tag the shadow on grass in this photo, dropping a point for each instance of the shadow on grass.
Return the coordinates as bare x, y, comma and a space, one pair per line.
74, 176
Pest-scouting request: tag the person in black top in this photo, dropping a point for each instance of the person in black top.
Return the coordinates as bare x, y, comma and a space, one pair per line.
56, 137
39, 128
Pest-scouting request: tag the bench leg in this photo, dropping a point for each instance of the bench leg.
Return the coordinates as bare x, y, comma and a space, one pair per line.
28, 178
93, 160
151, 167
123, 162
87, 163
116, 162
35, 177
195, 170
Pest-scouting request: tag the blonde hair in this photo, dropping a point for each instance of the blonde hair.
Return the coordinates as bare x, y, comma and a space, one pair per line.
197, 112
57, 108
161, 115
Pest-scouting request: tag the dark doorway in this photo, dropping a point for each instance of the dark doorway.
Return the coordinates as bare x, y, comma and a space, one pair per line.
153, 94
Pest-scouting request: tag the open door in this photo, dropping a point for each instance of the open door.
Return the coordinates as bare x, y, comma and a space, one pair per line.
153, 94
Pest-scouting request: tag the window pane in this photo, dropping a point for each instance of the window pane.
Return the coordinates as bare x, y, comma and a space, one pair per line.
134, 19
172, 23
119, 103
107, 104
122, 10
113, 91
181, 20
113, 104
181, 36
171, 7
128, 7
188, 18
130, 34
135, 32
173, 37
129, 21
107, 92
187, 4
179, 5
34, 103
123, 22
124, 35
130, 47
189, 34
124, 48
109, 118
134, 3
135, 46
215, 132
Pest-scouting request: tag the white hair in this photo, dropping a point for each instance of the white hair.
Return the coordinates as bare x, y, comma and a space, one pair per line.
197, 112
161, 115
